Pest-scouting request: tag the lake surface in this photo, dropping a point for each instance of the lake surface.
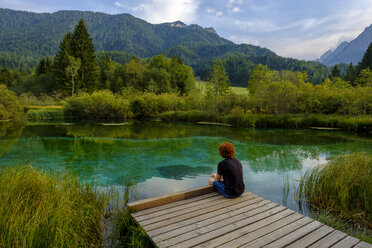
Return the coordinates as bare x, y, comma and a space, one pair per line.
165, 157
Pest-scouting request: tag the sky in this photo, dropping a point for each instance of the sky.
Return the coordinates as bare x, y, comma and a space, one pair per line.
302, 29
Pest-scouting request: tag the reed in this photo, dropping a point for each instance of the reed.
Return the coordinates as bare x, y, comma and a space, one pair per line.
38, 209
342, 187
45, 113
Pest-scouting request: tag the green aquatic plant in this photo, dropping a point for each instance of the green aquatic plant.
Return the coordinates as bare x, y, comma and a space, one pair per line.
342, 187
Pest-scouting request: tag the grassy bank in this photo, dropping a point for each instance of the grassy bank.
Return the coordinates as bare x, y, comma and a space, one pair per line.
38, 209
342, 187
351, 123
38, 113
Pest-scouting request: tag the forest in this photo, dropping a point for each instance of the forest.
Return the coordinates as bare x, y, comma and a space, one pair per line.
142, 88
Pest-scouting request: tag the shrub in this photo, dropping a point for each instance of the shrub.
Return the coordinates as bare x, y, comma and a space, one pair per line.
9, 104
99, 105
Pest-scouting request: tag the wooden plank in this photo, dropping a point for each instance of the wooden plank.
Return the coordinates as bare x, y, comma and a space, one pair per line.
312, 237
241, 204
220, 228
236, 214
174, 204
329, 240
363, 244
189, 216
161, 200
251, 232
347, 242
295, 235
201, 203
172, 215
267, 239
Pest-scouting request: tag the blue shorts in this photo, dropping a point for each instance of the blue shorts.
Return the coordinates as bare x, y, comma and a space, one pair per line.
220, 186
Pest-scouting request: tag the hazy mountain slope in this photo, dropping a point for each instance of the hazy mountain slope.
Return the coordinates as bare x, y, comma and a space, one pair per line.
347, 52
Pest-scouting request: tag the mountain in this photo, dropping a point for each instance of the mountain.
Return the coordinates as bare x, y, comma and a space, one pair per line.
25, 37
349, 52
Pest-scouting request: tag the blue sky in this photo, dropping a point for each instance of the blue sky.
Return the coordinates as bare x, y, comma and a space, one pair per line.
302, 29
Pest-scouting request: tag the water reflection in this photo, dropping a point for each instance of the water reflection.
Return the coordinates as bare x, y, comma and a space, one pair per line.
167, 157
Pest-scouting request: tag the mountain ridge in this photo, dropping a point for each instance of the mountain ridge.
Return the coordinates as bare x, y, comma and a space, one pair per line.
349, 52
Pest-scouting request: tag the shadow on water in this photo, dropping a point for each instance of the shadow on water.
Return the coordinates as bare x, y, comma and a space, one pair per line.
181, 170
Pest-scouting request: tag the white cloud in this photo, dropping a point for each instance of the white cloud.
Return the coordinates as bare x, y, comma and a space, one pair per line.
235, 9
210, 11
158, 11
219, 13
118, 4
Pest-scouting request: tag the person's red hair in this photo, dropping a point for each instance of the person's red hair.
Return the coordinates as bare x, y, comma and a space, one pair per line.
226, 150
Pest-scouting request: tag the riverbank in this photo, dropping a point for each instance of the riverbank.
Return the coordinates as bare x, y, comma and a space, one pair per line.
249, 120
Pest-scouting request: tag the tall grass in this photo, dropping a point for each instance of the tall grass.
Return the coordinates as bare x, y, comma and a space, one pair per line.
351, 123
126, 232
45, 113
38, 209
342, 187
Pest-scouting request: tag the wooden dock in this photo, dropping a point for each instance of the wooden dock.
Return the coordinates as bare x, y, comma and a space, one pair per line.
204, 218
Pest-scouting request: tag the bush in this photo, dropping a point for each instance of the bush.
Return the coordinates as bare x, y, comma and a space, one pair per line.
99, 105
9, 104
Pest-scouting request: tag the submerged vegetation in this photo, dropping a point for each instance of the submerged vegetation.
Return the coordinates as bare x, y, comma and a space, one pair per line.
343, 187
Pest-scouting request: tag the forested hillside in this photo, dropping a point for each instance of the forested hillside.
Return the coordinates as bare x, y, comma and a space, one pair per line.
26, 37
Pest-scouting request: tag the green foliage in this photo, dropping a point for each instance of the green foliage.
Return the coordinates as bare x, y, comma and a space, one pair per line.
6, 77
366, 61
38, 114
127, 233
335, 72
61, 61
364, 78
30, 36
82, 48
44, 66
9, 104
219, 81
42, 210
343, 186
99, 105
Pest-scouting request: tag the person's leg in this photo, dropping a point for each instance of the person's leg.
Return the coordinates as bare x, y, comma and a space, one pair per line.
220, 186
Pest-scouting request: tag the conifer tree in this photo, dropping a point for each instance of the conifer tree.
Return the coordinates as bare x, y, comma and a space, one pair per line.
366, 61
335, 72
44, 66
61, 61
82, 48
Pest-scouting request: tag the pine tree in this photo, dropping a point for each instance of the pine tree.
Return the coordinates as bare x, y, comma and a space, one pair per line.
350, 74
335, 72
366, 61
44, 66
82, 48
61, 61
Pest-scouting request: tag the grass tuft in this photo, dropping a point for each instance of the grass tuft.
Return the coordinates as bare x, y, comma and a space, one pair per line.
342, 187
38, 209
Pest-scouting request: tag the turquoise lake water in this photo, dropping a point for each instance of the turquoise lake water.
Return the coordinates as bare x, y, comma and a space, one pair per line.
164, 157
